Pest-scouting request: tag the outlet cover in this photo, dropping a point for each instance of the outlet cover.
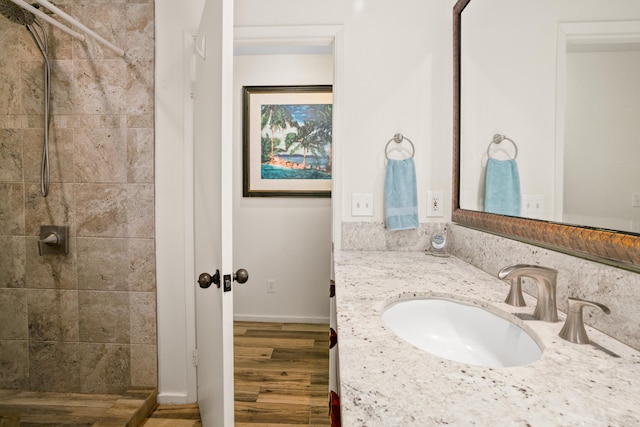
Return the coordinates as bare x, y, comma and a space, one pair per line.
362, 205
635, 200
271, 286
434, 204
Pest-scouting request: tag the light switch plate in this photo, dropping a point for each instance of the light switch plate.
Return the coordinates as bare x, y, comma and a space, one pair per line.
362, 205
532, 206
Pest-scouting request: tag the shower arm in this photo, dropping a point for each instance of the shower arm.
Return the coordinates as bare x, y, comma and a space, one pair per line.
26, 6
68, 19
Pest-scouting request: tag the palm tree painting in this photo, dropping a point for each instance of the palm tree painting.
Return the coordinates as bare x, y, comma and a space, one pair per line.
287, 141
296, 141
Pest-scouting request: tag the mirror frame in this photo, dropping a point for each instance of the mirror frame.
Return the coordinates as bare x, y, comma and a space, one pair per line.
615, 248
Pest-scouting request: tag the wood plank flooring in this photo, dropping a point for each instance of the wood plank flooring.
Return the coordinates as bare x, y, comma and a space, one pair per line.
281, 378
174, 416
281, 374
40, 409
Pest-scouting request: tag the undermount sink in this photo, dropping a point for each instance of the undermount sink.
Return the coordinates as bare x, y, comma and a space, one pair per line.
461, 332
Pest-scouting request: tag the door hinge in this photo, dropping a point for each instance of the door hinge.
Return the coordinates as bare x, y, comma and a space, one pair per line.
192, 89
194, 356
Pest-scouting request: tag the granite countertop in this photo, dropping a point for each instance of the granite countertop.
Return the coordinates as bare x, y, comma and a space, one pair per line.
385, 381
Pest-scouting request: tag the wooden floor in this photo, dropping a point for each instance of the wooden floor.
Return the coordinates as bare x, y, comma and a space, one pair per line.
40, 409
281, 380
281, 374
174, 416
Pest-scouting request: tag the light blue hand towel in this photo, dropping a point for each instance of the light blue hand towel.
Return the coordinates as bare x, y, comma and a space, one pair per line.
502, 187
400, 195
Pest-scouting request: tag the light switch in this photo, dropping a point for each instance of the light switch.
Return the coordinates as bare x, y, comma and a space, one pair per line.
532, 206
362, 205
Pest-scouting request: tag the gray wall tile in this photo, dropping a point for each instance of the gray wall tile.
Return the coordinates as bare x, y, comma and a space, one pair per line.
104, 316
102, 173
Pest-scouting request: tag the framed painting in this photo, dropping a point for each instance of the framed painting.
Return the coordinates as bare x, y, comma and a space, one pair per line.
287, 141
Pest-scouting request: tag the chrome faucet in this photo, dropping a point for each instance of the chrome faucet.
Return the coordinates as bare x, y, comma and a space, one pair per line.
545, 278
573, 329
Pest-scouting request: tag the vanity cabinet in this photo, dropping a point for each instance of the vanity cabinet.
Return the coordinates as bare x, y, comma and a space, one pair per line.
334, 374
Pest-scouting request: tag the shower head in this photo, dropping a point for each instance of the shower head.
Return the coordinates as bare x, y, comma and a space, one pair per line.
15, 13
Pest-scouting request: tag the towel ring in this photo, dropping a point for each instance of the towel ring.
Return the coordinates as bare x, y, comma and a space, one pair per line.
497, 139
398, 138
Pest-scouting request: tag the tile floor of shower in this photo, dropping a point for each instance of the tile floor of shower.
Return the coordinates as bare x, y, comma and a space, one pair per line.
38, 409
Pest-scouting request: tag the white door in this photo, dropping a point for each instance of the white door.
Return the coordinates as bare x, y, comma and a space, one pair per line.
213, 211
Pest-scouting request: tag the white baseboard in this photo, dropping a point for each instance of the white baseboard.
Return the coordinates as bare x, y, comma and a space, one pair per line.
280, 319
173, 399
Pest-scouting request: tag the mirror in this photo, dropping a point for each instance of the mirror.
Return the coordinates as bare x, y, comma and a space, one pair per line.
505, 84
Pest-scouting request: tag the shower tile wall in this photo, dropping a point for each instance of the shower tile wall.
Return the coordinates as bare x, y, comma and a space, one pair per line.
84, 322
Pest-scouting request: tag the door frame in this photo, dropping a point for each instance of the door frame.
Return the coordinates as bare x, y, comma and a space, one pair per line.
308, 35
189, 222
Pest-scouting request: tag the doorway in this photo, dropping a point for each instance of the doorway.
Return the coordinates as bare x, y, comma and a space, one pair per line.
282, 313
284, 242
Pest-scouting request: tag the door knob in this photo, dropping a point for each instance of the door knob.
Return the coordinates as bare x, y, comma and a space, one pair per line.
241, 276
205, 279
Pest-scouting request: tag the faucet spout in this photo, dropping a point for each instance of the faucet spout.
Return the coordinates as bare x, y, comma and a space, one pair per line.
545, 277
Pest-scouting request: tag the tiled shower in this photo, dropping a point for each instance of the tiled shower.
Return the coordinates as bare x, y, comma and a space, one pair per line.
85, 321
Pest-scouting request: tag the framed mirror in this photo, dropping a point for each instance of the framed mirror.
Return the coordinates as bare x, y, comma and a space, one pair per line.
512, 81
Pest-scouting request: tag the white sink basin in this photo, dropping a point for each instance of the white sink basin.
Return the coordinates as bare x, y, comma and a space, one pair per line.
461, 332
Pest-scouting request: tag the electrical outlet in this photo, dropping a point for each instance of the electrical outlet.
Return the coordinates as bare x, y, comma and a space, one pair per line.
635, 200
362, 205
434, 204
271, 286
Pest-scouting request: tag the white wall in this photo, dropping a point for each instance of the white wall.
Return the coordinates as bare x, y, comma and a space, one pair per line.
602, 126
284, 239
509, 77
397, 65
508, 87
175, 322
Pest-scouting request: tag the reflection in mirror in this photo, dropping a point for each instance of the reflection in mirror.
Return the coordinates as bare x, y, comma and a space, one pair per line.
537, 73
562, 80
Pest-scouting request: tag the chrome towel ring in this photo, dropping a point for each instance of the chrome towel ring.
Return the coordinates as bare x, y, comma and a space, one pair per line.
497, 139
398, 138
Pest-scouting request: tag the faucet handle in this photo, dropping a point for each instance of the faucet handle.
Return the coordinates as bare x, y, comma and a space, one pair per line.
50, 239
573, 329
515, 297
54, 239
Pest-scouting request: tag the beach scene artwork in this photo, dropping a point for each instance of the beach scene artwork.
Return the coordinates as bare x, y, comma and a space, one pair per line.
296, 141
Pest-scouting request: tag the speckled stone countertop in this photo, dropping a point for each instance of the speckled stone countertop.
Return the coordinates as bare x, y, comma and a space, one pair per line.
385, 381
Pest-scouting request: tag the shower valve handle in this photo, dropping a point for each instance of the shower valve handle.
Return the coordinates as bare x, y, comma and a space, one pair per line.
50, 239
54, 239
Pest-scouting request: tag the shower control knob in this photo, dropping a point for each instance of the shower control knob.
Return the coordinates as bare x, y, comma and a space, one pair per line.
205, 279
241, 276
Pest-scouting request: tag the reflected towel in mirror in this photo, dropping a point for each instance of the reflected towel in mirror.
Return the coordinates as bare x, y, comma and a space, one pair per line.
400, 195
502, 187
